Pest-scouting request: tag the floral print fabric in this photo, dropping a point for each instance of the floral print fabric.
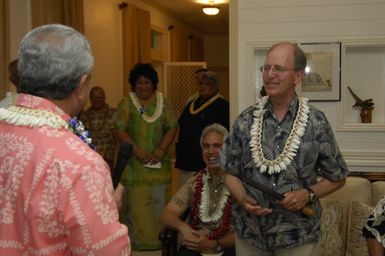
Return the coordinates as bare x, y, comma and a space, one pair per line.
56, 194
318, 155
375, 224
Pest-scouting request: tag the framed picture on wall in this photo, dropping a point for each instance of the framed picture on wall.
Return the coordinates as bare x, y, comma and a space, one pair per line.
322, 80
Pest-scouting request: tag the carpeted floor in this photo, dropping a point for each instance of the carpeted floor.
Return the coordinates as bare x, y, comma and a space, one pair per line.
146, 253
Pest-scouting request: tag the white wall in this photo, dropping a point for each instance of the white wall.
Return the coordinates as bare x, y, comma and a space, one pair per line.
256, 22
102, 27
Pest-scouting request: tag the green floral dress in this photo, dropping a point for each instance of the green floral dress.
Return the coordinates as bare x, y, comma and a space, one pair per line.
146, 189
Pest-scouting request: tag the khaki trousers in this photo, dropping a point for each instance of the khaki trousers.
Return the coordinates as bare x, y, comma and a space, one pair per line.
243, 248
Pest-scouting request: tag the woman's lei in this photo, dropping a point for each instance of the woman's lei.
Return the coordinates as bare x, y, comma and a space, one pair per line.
201, 204
142, 110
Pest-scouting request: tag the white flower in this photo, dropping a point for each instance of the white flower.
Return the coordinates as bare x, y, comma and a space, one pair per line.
292, 143
205, 202
158, 110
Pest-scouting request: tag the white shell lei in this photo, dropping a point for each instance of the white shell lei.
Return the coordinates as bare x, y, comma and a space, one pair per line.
158, 110
32, 117
205, 202
292, 143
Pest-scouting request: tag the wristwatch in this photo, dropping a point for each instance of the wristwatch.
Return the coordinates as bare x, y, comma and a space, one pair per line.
312, 196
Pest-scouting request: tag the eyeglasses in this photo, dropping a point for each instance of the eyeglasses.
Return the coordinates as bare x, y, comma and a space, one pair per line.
276, 69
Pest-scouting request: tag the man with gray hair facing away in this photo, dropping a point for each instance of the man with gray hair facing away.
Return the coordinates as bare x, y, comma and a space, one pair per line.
56, 194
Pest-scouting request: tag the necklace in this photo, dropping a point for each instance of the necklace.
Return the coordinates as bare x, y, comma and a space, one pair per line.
21, 116
202, 202
142, 111
32, 117
292, 143
205, 105
11, 98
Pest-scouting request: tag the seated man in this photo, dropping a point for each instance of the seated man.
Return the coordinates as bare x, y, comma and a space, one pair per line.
209, 227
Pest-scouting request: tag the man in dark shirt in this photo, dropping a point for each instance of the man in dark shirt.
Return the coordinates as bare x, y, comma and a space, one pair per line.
206, 107
285, 144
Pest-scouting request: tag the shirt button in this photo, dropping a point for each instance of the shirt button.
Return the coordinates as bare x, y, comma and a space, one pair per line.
277, 146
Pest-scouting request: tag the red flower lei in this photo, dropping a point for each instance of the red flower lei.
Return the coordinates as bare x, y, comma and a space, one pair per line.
224, 226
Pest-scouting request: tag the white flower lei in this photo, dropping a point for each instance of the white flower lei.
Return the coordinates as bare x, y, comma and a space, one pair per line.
22, 116
205, 202
292, 143
32, 117
158, 110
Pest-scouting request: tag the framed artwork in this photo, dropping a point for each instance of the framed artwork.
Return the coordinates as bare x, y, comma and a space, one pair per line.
322, 80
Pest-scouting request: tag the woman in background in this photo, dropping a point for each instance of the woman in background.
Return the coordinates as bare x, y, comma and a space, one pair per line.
146, 120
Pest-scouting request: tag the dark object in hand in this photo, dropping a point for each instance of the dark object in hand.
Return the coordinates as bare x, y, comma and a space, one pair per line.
125, 151
275, 195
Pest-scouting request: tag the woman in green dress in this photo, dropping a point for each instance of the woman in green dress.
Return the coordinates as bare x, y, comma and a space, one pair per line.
146, 120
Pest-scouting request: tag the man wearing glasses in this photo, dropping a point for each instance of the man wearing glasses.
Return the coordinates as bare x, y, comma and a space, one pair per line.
283, 143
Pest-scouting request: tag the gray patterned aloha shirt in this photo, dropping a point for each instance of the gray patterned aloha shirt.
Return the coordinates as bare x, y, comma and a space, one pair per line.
318, 154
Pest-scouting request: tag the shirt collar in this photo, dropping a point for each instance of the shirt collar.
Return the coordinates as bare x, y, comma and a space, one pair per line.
35, 102
291, 111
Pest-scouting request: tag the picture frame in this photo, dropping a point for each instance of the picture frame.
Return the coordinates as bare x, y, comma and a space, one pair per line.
322, 79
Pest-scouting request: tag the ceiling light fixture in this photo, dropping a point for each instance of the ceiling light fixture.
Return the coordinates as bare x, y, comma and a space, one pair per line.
210, 9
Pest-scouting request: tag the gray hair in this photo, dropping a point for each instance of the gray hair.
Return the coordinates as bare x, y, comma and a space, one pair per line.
214, 128
52, 60
210, 77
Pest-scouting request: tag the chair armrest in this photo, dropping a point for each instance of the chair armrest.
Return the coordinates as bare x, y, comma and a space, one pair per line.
169, 240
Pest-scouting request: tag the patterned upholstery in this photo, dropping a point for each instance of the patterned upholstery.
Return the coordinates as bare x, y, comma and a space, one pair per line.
365, 195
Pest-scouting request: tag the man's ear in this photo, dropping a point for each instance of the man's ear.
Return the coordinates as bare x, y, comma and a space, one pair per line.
81, 91
298, 77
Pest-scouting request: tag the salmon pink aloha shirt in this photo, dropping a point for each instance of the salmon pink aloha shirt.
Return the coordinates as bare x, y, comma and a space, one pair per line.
56, 195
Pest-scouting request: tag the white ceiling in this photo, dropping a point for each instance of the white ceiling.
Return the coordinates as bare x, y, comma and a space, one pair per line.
190, 11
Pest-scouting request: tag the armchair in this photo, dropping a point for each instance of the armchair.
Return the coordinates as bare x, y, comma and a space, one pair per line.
169, 238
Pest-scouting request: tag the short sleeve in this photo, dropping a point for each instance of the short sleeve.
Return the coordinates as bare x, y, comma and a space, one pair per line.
330, 161
231, 154
186, 193
121, 115
171, 120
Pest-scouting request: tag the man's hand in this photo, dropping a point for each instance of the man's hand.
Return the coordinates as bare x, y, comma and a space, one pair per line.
253, 207
118, 194
295, 200
200, 242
